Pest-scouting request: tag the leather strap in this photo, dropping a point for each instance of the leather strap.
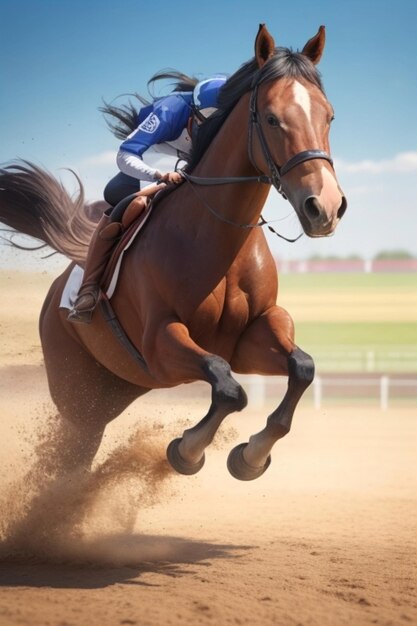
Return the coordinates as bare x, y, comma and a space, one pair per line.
301, 157
117, 330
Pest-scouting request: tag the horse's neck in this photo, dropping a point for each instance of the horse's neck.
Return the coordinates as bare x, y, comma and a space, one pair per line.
228, 156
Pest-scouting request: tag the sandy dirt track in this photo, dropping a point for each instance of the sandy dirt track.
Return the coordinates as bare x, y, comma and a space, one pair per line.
326, 537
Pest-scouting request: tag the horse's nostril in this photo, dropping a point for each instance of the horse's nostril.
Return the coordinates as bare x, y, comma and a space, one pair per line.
312, 208
342, 208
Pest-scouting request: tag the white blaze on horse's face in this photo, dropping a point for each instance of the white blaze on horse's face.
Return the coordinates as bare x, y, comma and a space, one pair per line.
302, 98
302, 117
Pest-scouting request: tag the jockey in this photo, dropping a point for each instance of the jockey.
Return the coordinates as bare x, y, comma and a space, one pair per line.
165, 127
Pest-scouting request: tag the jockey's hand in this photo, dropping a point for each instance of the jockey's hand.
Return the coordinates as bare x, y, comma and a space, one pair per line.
171, 177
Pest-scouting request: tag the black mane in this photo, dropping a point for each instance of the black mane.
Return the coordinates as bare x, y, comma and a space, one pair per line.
284, 63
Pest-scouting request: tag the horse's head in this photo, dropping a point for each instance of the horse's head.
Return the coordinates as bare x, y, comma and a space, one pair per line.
291, 119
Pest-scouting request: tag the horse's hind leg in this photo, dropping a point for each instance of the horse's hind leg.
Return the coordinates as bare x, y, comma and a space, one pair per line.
268, 348
184, 361
86, 395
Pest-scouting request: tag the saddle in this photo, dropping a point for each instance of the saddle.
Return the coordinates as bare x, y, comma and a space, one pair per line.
133, 220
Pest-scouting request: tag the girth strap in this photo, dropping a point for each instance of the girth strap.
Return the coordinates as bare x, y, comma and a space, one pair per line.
119, 333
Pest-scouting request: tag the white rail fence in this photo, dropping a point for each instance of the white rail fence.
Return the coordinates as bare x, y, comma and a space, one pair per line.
381, 389
399, 359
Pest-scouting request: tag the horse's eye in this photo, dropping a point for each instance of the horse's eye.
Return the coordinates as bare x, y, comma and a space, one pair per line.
272, 120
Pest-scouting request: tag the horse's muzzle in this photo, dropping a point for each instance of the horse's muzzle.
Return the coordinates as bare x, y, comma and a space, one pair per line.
319, 221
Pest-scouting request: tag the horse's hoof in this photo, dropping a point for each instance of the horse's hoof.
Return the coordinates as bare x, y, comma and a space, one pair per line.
178, 463
238, 467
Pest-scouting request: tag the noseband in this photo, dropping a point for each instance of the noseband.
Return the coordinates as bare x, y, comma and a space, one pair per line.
275, 171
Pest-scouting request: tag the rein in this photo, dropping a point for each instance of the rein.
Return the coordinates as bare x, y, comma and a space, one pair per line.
197, 180
276, 172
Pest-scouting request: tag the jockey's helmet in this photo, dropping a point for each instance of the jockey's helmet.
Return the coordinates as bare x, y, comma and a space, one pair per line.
205, 95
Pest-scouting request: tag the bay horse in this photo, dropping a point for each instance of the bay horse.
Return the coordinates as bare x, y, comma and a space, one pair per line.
197, 294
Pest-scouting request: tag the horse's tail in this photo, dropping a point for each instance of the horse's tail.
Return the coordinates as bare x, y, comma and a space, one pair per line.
35, 203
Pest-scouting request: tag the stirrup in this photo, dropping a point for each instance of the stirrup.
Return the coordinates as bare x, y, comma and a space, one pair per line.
81, 317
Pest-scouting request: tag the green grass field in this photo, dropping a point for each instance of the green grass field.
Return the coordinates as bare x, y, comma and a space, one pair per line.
368, 334
351, 322
342, 281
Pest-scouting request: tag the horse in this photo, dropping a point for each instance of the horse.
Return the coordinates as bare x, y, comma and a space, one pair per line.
197, 292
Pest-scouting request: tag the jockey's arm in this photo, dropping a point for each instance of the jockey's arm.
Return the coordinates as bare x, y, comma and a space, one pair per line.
165, 123
132, 165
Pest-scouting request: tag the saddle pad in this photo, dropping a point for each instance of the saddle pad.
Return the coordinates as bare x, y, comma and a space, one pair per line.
72, 287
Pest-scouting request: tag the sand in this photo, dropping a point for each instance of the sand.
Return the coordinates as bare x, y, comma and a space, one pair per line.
326, 537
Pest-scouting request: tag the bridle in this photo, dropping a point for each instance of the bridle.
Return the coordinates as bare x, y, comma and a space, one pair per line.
275, 171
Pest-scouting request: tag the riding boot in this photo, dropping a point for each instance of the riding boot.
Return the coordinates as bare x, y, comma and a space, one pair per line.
101, 246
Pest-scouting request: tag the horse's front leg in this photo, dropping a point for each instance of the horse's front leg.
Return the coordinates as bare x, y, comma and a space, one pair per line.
174, 358
267, 347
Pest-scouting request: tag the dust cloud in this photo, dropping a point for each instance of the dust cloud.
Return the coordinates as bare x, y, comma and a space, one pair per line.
85, 516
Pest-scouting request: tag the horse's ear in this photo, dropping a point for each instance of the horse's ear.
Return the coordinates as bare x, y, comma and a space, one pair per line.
264, 45
315, 46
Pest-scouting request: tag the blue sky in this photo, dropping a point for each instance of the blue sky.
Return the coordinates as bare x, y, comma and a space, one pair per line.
59, 58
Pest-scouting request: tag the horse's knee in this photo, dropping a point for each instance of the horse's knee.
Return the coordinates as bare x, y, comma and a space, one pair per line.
301, 367
226, 390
